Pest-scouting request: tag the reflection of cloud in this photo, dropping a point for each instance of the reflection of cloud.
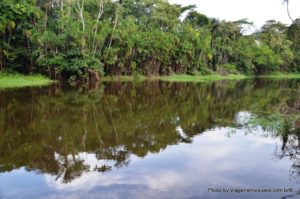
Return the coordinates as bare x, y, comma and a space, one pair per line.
243, 117
161, 180
164, 180
185, 170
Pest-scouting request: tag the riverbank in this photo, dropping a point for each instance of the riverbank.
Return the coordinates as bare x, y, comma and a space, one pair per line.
200, 78
204, 78
178, 78
18, 81
282, 76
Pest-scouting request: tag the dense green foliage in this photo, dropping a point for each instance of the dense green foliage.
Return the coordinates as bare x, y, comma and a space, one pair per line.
83, 39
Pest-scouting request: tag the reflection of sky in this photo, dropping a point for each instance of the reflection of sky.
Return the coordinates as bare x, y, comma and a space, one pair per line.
218, 158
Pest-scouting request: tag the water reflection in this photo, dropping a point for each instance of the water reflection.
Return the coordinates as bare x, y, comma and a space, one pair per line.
142, 140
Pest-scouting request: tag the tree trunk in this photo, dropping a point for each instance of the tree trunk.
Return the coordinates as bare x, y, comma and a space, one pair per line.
30, 69
93, 76
1, 60
213, 62
100, 13
61, 5
81, 12
115, 25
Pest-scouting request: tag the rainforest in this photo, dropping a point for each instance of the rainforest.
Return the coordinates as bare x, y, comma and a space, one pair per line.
85, 40
138, 99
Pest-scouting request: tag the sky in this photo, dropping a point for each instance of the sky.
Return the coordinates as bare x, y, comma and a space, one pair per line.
257, 11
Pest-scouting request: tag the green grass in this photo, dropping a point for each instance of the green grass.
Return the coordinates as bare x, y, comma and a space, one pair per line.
18, 81
204, 78
124, 78
177, 78
282, 76
201, 78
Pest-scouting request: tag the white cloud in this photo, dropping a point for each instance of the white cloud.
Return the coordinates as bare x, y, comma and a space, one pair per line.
257, 11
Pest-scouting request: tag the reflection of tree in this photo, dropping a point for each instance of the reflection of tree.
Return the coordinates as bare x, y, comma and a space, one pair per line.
45, 129
291, 149
72, 170
281, 121
296, 194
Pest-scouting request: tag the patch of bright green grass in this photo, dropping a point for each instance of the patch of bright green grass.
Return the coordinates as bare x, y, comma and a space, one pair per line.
18, 81
204, 78
176, 78
282, 76
124, 78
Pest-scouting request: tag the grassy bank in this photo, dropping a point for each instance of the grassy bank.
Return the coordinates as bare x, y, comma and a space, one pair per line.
177, 78
204, 78
201, 78
125, 78
282, 76
18, 81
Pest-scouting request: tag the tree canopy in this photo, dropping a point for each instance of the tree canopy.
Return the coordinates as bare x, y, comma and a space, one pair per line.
84, 39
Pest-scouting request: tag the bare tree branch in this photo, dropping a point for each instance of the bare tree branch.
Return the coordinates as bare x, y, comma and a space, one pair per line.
287, 2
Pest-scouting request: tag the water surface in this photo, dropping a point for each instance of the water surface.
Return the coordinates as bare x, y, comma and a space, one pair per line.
149, 140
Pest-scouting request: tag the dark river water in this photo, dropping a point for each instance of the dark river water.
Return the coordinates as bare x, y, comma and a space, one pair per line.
235, 139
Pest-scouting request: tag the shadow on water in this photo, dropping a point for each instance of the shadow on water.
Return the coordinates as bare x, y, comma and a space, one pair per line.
49, 129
